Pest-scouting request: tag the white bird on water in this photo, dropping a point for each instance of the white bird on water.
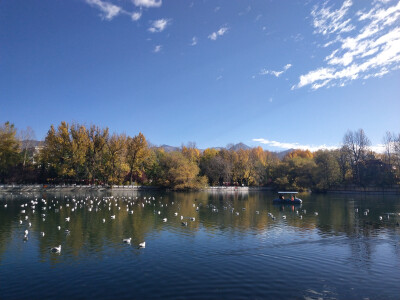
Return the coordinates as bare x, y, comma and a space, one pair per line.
164, 220
113, 217
127, 241
56, 249
142, 245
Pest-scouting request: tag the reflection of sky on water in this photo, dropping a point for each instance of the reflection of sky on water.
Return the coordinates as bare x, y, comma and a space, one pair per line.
337, 253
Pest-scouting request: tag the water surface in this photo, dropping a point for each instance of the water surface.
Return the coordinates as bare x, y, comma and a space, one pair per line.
330, 247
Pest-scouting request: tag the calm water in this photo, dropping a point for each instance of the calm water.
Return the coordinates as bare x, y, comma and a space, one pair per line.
341, 253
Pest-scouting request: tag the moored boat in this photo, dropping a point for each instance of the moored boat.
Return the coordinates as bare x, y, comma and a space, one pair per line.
288, 198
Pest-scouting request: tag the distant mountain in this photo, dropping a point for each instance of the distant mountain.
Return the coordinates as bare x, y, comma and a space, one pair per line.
236, 147
168, 148
282, 154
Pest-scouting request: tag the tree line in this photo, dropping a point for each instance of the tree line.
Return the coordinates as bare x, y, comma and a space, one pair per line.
74, 153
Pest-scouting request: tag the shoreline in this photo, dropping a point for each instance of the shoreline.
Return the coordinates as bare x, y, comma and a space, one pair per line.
217, 189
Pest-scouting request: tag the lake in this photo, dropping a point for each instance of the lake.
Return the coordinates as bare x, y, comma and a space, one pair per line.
330, 247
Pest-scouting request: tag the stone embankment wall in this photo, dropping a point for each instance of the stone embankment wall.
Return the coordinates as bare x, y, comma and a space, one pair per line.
395, 190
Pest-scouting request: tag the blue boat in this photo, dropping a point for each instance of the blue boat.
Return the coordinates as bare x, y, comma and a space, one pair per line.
287, 198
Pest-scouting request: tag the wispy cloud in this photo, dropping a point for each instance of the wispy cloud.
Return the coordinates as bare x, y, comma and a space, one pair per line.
157, 48
194, 41
282, 145
159, 25
148, 3
213, 36
379, 148
371, 51
327, 20
108, 10
275, 73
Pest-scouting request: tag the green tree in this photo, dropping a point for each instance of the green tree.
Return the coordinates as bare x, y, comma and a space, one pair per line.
327, 171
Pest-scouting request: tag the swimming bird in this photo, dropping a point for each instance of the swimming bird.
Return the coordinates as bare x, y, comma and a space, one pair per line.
316, 213
175, 214
26, 232
104, 220
284, 217
164, 220
58, 227
142, 245
380, 218
127, 241
257, 212
67, 219
184, 223
113, 217
193, 219
56, 249
42, 233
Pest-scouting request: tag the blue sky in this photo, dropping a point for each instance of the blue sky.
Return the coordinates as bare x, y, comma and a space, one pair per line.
279, 73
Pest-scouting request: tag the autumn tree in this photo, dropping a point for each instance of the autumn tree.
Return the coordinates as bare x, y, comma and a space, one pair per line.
79, 148
9, 149
98, 139
57, 153
136, 154
114, 159
181, 173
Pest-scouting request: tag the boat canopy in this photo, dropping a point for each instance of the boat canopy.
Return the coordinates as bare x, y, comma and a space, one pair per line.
288, 192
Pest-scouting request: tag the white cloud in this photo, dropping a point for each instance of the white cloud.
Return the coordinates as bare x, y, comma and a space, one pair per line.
327, 21
148, 3
109, 10
213, 36
159, 25
136, 16
157, 48
372, 51
275, 73
194, 41
294, 145
378, 148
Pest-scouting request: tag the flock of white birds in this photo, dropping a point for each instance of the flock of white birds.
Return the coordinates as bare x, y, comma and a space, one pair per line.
95, 204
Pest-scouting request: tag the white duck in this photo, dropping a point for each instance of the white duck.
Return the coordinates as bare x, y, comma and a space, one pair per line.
56, 249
